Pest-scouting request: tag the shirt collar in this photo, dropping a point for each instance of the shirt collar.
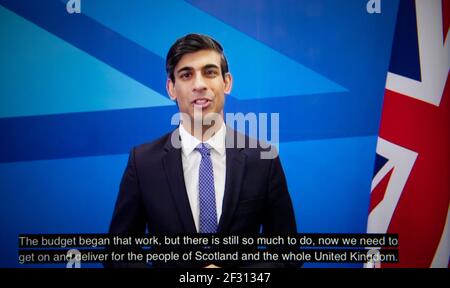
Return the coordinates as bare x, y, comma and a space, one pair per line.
189, 142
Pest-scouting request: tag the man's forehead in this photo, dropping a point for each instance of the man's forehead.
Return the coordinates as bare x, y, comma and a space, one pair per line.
199, 59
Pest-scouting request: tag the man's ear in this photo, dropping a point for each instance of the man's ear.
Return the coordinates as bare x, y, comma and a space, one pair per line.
228, 79
170, 89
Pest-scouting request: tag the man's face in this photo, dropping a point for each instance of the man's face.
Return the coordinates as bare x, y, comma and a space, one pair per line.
199, 84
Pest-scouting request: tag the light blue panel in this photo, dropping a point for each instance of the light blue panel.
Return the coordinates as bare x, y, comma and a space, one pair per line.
329, 181
56, 196
41, 74
156, 25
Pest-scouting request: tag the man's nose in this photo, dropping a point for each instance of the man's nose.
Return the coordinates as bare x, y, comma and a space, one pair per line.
199, 83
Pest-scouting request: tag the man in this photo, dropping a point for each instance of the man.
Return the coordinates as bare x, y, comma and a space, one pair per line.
196, 179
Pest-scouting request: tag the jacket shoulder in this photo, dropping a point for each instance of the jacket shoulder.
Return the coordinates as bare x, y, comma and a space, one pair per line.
153, 148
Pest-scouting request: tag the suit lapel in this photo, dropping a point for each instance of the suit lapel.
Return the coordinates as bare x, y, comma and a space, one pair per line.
175, 177
235, 167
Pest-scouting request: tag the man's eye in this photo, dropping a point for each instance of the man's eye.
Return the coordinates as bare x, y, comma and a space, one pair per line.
185, 75
211, 73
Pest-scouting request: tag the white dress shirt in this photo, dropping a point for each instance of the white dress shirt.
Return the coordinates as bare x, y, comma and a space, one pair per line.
191, 164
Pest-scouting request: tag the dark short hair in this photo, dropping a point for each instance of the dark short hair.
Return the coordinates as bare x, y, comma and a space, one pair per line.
191, 43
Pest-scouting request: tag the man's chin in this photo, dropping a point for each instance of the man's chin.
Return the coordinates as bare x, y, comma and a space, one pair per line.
206, 116
212, 118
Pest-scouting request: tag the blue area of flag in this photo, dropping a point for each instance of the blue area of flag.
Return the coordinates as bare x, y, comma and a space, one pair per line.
380, 161
405, 48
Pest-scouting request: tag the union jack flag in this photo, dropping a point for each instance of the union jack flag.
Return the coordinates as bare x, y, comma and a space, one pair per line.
411, 186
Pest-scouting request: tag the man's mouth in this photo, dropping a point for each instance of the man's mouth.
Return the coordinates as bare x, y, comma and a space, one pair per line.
201, 103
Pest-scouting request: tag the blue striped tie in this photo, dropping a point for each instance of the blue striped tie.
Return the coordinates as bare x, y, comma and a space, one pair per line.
207, 194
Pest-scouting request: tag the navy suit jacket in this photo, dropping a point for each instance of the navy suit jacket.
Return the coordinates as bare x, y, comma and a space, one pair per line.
153, 193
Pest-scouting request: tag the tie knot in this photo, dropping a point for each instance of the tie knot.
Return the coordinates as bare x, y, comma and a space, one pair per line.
204, 149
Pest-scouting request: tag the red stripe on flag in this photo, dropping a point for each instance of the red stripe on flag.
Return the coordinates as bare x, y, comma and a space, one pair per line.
445, 16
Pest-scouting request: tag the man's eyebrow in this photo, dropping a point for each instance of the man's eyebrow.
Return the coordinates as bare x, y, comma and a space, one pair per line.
188, 68
207, 66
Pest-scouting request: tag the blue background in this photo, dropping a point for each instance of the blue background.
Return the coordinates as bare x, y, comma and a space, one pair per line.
79, 90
